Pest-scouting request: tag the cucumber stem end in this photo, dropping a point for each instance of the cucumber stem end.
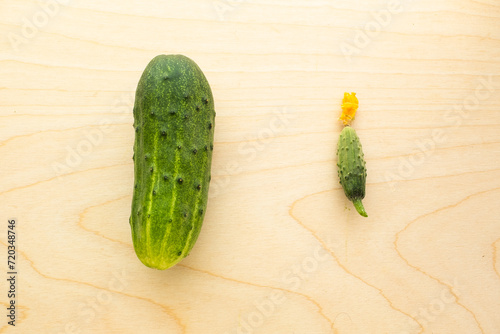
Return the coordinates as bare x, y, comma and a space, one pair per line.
359, 207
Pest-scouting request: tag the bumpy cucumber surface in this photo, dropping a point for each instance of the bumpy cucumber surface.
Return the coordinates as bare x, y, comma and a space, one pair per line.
174, 121
352, 168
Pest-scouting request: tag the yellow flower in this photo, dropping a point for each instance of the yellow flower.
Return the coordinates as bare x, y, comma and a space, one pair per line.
349, 107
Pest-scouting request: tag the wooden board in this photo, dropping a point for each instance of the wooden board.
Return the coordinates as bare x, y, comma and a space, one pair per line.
281, 249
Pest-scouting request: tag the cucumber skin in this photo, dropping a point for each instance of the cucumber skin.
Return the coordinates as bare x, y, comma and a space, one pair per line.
352, 167
174, 121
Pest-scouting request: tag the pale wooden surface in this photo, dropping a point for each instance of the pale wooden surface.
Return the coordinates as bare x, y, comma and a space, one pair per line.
278, 226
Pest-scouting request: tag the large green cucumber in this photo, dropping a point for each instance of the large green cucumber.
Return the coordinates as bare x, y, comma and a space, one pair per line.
352, 168
174, 121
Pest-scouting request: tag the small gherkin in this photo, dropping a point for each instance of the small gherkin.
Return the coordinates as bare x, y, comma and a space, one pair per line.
350, 158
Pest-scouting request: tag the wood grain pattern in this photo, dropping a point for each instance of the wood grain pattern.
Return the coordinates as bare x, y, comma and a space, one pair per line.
281, 250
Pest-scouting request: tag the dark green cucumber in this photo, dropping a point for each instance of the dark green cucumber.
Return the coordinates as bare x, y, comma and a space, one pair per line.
174, 121
352, 168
